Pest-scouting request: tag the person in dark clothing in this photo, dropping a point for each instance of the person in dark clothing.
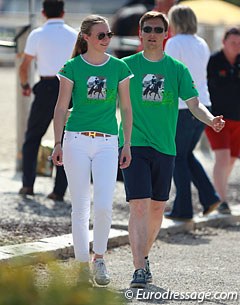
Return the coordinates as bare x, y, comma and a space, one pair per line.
125, 23
43, 43
223, 74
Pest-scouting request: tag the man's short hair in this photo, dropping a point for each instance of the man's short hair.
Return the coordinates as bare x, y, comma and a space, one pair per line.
154, 15
231, 31
53, 8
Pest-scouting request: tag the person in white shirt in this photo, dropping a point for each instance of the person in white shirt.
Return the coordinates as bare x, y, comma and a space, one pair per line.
50, 45
187, 47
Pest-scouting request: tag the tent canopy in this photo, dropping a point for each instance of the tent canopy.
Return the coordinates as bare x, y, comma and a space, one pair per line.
215, 12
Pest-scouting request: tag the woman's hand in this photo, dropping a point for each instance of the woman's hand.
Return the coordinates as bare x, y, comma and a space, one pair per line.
57, 155
125, 157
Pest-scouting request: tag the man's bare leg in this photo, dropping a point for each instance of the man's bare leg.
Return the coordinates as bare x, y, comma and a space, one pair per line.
138, 230
155, 217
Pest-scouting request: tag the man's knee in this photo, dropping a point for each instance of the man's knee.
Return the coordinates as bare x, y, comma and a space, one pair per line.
139, 207
158, 206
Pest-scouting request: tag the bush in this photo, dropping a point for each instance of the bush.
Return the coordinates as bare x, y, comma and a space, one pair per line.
21, 285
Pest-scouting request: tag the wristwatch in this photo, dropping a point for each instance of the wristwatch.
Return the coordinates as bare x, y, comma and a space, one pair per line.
25, 86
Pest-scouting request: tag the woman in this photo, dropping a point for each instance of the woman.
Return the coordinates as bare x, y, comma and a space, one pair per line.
193, 51
93, 79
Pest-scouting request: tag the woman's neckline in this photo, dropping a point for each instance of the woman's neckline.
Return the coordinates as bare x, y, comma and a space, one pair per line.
103, 62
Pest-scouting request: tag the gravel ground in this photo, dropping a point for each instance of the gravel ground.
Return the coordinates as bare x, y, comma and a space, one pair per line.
30, 219
197, 262
33, 218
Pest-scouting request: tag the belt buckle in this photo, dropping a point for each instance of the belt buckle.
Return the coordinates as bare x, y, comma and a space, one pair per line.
92, 134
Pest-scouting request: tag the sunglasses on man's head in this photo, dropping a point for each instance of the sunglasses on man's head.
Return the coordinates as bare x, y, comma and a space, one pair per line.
102, 35
149, 29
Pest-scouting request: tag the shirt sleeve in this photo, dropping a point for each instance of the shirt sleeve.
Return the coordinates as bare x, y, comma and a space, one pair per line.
32, 44
67, 71
125, 72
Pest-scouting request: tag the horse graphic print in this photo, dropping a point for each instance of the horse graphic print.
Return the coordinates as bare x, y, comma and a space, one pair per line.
152, 87
96, 87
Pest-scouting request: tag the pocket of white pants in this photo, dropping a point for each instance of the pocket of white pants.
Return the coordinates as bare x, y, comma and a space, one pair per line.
110, 142
69, 137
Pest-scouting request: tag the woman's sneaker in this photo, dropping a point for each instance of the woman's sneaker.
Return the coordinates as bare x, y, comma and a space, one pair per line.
100, 274
148, 271
139, 279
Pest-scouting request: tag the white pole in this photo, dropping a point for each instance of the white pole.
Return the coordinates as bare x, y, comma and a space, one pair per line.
32, 13
23, 103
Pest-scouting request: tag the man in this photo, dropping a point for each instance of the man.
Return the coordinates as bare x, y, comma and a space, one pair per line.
51, 46
148, 178
223, 73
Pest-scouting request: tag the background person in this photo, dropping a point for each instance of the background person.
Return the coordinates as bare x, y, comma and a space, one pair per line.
148, 178
90, 144
193, 51
126, 20
223, 73
50, 46
126, 23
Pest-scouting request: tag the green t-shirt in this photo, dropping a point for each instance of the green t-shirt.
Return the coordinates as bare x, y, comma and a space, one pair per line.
94, 94
155, 89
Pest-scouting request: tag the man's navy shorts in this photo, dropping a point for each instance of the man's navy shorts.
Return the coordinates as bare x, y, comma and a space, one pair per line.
149, 174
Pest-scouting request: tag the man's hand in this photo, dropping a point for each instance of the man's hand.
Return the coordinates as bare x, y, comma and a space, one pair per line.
218, 123
125, 157
26, 89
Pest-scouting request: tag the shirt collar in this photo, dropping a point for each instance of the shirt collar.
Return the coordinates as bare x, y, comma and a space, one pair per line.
54, 21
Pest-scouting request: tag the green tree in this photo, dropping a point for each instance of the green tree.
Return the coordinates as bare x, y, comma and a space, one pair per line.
236, 2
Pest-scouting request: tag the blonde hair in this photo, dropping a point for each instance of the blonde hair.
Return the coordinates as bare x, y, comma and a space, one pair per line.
81, 46
183, 19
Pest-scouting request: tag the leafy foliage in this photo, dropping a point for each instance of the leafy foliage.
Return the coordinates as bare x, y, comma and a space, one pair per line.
19, 285
236, 2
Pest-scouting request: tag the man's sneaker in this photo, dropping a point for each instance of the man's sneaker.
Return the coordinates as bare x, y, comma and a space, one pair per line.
224, 208
148, 271
100, 274
139, 279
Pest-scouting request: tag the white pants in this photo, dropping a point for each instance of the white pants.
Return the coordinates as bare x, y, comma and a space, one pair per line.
83, 155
